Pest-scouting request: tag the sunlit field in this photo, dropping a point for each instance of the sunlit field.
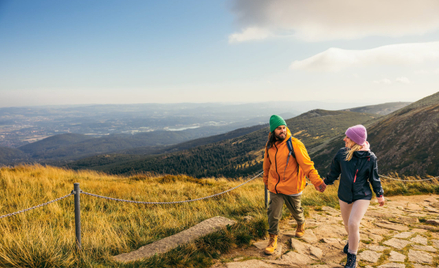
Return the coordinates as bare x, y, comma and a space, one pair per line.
45, 237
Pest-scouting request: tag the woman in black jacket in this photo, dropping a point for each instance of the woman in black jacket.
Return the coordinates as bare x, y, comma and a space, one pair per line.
358, 168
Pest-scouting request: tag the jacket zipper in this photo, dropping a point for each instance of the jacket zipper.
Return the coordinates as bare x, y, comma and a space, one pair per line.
355, 178
275, 164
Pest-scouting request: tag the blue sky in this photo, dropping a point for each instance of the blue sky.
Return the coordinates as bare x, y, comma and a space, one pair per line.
97, 52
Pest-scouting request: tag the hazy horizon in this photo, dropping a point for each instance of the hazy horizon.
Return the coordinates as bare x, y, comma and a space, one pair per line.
342, 105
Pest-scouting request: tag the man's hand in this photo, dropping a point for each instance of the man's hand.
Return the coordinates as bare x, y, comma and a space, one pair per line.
321, 188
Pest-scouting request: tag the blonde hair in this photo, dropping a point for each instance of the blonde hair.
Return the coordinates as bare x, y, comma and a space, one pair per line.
350, 152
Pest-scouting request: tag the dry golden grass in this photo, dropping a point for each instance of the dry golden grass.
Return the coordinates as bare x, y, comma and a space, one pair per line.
45, 237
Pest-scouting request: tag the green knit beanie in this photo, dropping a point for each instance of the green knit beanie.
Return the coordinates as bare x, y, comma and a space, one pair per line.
276, 121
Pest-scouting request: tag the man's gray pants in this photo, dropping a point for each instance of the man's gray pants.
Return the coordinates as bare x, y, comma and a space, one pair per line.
275, 210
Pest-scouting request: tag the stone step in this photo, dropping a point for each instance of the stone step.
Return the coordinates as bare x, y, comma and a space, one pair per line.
166, 244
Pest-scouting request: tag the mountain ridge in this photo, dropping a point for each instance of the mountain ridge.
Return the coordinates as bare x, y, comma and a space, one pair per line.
404, 141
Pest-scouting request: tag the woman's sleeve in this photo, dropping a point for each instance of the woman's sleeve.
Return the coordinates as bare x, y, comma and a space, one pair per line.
375, 180
334, 172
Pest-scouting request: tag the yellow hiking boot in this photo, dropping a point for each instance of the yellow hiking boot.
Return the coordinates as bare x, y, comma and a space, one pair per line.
300, 231
272, 245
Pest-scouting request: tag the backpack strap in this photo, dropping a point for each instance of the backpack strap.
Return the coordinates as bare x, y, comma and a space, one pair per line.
290, 147
291, 153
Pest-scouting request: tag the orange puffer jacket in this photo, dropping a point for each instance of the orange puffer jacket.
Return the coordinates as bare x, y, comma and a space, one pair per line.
289, 180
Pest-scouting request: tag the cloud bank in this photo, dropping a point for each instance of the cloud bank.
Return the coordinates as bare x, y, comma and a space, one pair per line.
336, 59
316, 20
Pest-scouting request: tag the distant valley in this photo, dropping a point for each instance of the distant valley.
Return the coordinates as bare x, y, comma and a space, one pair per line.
236, 149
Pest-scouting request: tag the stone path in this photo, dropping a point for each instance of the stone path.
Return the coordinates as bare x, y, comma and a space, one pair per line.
403, 233
164, 245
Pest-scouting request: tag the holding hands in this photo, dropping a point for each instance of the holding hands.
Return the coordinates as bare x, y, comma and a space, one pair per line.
321, 188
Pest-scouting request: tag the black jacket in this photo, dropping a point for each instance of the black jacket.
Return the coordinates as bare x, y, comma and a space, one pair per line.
356, 175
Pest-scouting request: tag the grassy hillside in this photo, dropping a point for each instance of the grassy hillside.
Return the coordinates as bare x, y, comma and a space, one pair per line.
404, 141
381, 109
8, 155
45, 237
53, 143
235, 157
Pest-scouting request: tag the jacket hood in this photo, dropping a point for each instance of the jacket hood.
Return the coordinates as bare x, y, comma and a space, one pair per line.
362, 154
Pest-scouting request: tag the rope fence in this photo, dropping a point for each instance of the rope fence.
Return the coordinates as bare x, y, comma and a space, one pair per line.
172, 202
77, 192
38, 206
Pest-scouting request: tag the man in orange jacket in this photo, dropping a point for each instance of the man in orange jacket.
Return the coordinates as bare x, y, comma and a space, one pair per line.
284, 177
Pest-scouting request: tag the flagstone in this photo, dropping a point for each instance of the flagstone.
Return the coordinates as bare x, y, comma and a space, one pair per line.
368, 236
335, 242
422, 266
369, 255
417, 230
294, 258
249, 264
392, 265
420, 257
435, 243
299, 246
433, 210
425, 248
379, 231
396, 256
429, 228
397, 243
327, 231
309, 237
431, 200
418, 215
414, 207
390, 226
261, 244
420, 240
316, 252
331, 210
404, 220
404, 235
377, 248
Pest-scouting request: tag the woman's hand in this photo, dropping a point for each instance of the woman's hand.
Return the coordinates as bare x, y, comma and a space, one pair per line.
381, 200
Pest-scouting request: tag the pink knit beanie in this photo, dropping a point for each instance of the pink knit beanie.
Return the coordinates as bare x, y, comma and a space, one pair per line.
357, 134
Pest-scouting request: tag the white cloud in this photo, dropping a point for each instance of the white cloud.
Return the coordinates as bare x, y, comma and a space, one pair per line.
384, 81
252, 33
427, 72
316, 20
387, 81
403, 80
336, 59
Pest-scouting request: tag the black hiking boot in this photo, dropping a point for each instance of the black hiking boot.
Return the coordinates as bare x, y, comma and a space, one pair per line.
351, 261
345, 249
